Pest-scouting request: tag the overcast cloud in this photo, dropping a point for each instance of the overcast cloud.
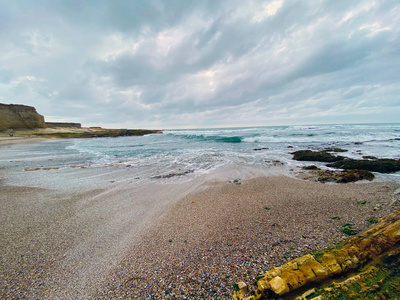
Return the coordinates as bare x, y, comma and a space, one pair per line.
174, 64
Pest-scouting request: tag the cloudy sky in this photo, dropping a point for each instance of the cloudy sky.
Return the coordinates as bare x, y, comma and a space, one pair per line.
180, 63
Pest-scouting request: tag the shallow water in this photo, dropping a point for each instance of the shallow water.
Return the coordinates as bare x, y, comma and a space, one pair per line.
202, 151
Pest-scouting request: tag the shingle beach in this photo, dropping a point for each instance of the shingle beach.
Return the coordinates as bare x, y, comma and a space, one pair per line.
169, 239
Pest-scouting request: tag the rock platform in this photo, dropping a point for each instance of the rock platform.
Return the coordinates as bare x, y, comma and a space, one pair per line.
367, 264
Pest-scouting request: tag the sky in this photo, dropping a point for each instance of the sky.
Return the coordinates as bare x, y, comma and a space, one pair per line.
195, 64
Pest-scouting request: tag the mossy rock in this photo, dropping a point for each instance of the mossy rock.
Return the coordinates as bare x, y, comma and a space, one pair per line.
355, 175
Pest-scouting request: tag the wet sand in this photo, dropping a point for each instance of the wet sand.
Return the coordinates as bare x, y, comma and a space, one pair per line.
8, 140
177, 239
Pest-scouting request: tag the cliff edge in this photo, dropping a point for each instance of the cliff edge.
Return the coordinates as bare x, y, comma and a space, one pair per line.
13, 116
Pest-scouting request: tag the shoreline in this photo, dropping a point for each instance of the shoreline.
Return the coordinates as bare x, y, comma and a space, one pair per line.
75, 132
171, 238
7, 140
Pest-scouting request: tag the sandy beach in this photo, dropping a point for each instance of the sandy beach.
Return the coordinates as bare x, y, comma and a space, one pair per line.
11, 140
101, 234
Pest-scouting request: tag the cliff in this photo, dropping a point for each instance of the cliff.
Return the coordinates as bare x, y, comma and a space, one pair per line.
63, 124
14, 116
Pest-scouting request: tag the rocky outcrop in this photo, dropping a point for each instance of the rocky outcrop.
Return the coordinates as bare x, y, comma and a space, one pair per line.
368, 163
384, 165
14, 116
322, 156
374, 249
317, 174
73, 132
62, 124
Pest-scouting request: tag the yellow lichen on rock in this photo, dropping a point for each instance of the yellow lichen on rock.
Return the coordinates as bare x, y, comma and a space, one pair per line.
279, 286
306, 269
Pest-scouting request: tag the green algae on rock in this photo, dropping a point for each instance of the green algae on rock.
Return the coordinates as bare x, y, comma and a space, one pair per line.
376, 249
338, 176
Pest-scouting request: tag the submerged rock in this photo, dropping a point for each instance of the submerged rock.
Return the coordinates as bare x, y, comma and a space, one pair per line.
170, 175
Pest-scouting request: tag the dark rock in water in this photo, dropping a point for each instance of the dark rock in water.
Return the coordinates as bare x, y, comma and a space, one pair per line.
170, 175
259, 149
312, 167
322, 156
336, 150
374, 165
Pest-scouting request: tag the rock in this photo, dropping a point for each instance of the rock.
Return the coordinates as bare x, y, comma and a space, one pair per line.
312, 167
369, 163
240, 289
336, 150
170, 175
13, 116
338, 176
371, 245
279, 286
63, 124
306, 294
89, 133
322, 156
383, 165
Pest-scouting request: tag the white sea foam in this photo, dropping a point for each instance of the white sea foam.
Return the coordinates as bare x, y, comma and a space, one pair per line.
205, 150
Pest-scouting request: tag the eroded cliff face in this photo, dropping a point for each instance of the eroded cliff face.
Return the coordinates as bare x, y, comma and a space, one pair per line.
14, 116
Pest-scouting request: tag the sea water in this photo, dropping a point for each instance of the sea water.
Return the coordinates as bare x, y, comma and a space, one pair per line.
198, 151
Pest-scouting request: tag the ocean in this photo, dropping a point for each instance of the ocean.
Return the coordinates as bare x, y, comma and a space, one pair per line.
199, 151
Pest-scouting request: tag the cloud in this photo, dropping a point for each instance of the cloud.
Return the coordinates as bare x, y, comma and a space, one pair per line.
202, 63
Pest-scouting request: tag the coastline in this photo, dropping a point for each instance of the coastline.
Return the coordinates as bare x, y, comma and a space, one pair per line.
75, 132
170, 238
7, 140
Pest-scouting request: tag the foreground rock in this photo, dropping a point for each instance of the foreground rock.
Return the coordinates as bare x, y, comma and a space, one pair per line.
324, 176
14, 116
374, 256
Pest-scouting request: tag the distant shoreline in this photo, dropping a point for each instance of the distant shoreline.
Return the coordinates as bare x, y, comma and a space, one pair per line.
11, 136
